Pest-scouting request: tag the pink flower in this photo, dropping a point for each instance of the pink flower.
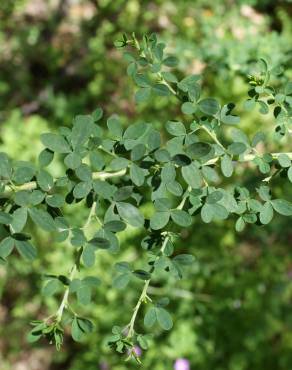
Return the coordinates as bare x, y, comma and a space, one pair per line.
182, 364
104, 366
136, 350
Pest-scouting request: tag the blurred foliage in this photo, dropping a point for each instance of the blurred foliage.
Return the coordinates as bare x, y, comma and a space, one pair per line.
57, 59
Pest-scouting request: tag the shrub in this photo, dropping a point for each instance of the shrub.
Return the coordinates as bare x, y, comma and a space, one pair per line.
116, 172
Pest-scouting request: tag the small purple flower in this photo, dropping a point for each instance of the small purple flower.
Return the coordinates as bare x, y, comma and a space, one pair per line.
182, 364
104, 366
137, 350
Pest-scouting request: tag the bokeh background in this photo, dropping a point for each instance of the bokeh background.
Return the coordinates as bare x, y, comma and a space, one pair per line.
233, 310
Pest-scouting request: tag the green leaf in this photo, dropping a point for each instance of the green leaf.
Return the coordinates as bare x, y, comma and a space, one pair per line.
264, 192
214, 197
137, 175
82, 129
103, 189
22, 198
240, 224
5, 218
88, 255
85, 325
213, 211
142, 95
123, 267
250, 217
192, 175
289, 173
25, 249
84, 295
114, 126
249, 104
170, 61
175, 188
96, 161
161, 90
162, 155
163, 318
121, 281
153, 140
19, 219
162, 204
115, 226
45, 181
284, 160
51, 287
159, 220
73, 160
181, 160
258, 137
97, 114
150, 317
82, 189
266, 213
83, 172
42, 219
226, 165
99, 242
175, 145
264, 108
236, 148
138, 152
184, 259
45, 157
130, 214
209, 106
6, 247
226, 116
210, 174
199, 150
119, 164
207, 213
55, 200
135, 131
168, 173
78, 238
168, 76
142, 274
56, 143
181, 218
238, 136
36, 197
188, 82
23, 173
5, 166
76, 332
282, 206
91, 281
188, 108
175, 128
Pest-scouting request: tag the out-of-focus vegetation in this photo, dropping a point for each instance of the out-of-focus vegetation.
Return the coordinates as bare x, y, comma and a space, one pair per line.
57, 59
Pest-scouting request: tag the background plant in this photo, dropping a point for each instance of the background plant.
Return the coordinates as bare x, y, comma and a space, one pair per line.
233, 262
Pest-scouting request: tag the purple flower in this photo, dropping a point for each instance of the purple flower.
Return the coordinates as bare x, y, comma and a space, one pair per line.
137, 350
182, 364
104, 366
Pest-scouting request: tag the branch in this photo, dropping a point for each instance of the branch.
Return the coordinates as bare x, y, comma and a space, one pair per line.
143, 297
64, 302
33, 184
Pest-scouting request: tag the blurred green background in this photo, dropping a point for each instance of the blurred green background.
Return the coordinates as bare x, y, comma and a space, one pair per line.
233, 310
